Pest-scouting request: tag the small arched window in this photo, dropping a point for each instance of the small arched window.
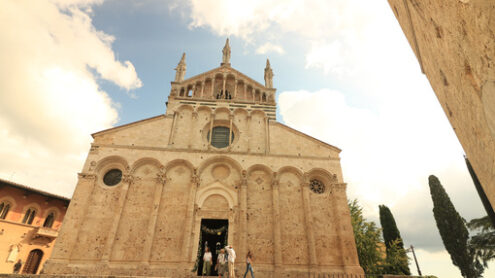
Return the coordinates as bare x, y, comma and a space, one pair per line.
29, 216
263, 98
4, 209
49, 220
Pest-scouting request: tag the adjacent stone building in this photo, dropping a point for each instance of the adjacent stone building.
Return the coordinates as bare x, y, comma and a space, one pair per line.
215, 169
29, 223
454, 42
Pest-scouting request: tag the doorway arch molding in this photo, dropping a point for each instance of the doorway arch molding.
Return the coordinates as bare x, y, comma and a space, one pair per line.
216, 188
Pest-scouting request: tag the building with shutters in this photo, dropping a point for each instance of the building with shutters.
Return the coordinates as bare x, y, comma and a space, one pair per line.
29, 223
215, 169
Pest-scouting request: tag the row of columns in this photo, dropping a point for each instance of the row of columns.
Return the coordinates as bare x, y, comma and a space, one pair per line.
203, 94
161, 179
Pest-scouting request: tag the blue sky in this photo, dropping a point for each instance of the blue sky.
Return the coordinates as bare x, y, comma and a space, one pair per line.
344, 74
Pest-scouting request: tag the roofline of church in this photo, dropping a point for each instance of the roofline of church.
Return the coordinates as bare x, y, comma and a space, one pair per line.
126, 125
163, 116
225, 66
309, 136
28, 188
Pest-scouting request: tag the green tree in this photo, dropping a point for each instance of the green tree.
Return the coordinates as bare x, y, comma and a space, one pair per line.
483, 242
368, 240
398, 262
453, 231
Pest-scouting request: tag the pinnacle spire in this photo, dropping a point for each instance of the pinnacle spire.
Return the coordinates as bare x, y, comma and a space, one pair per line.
226, 54
181, 69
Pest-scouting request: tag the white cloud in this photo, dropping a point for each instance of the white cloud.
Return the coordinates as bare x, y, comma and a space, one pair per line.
52, 57
270, 47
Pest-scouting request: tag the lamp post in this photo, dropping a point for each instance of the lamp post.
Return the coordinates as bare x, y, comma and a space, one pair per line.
415, 259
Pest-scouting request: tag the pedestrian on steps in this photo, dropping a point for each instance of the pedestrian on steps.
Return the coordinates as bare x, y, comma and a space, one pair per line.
249, 264
231, 259
207, 260
221, 266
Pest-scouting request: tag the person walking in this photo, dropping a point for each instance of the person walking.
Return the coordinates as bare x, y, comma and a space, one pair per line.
207, 260
17, 266
221, 266
231, 259
249, 264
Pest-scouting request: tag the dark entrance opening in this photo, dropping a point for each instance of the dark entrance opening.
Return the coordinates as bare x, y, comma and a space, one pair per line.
214, 234
33, 261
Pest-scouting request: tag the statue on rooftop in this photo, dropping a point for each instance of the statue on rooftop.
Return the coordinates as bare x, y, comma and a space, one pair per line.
268, 75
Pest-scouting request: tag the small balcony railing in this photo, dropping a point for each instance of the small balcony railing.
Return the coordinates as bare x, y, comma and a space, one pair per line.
45, 232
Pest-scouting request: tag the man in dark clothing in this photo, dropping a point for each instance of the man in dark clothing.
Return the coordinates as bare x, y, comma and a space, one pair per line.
17, 266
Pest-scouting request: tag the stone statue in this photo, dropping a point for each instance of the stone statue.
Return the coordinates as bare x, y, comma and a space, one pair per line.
181, 69
268, 75
226, 53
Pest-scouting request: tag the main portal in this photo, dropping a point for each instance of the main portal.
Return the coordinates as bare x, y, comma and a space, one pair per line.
214, 234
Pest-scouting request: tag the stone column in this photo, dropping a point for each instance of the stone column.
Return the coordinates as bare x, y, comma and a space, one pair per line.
277, 232
236, 83
82, 197
188, 234
161, 180
248, 131
213, 87
170, 138
192, 131
203, 83
128, 180
212, 116
243, 216
267, 138
193, 94
230, 130
224, 81
245, 91
308, 221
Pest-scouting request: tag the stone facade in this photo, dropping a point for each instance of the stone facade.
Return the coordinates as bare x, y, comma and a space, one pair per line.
280, 191
454, 42
29, 223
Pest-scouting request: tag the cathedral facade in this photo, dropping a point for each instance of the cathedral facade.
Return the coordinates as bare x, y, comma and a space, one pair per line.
215, 169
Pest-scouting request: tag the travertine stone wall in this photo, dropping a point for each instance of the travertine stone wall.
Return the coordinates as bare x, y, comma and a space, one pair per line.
149, 223
454, 42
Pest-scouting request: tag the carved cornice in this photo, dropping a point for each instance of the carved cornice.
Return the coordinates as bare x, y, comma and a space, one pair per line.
86, 176
216, 151
340, 187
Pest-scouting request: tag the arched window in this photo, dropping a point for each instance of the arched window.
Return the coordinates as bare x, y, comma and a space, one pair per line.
4, 209
49, 220
263, 98
29, 216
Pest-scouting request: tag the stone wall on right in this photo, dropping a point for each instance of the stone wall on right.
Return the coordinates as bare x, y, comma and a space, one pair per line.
454, 42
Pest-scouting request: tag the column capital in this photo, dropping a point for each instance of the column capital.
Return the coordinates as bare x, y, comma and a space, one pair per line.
275, 184
161, 178
195, 178
129, 178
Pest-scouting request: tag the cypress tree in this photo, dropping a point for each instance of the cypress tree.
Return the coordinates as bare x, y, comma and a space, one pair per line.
392, 238
452, 230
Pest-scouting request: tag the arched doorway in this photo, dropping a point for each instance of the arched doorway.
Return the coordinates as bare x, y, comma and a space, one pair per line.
33, 261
